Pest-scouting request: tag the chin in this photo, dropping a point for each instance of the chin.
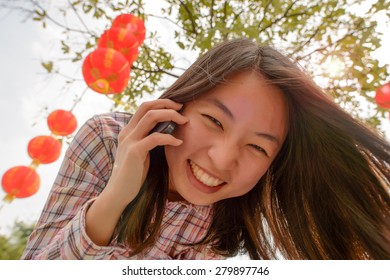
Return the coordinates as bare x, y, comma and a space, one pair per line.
199, 201
194, 197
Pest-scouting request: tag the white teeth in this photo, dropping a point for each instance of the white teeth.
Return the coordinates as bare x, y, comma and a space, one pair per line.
204, 177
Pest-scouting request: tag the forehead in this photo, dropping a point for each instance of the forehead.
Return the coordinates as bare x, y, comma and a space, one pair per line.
251, 100
247, 90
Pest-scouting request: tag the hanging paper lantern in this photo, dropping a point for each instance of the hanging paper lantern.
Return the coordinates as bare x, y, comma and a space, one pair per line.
106, 71
382, 96
62, 122
44, 149
122, 40
133, 23
20, 182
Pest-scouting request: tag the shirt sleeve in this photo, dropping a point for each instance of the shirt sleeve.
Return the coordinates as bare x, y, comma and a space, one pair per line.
87, 165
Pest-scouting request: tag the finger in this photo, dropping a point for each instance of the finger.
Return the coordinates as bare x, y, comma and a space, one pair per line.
153, 117
153, 105
158, 139
143, 109
141, 149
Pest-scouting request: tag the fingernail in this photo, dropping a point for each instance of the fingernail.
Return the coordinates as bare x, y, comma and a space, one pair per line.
184, 120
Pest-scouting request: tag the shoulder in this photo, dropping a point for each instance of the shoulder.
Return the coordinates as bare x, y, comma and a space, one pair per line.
97, 134
113, 118
108, 125
94, 146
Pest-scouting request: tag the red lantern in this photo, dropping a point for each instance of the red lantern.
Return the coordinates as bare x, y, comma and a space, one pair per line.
62, 122
382, 96
133, 23
122, 40
20, 182
106, 71
44, 149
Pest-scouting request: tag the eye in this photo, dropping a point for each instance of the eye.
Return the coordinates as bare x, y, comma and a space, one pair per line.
259, 149
214, 120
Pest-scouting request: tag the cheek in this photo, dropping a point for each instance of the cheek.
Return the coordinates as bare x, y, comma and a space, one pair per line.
192, 134
249, 177
187, 133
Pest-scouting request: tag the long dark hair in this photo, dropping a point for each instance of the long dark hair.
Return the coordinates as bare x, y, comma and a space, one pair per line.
326, 194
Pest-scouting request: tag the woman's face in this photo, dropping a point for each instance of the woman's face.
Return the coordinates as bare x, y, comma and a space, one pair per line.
233, 134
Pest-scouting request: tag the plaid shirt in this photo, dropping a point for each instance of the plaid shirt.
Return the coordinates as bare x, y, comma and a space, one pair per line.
60, 232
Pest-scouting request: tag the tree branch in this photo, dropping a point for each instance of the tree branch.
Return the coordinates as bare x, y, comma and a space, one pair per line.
211, 13
265, 12
78, 16
307, 41
159, 70
190, 16
278, 19
56, 22
171, 21
336, 42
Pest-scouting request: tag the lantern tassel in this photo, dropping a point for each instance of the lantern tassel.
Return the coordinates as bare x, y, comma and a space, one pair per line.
35, 163
9, 198
101, 85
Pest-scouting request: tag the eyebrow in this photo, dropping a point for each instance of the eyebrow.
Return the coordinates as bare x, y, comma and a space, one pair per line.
223, 108
268, 137
229, 114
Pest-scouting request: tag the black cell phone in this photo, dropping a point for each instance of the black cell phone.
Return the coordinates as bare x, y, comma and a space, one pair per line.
164, 127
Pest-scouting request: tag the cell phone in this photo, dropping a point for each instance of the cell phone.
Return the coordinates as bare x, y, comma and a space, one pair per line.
164, 127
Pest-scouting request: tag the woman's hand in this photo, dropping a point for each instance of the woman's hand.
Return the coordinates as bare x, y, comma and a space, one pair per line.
135, 143
131, 165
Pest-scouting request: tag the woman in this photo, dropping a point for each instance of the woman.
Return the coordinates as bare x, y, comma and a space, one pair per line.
261, 162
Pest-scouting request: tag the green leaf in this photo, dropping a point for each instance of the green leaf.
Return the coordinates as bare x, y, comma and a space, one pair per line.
48, 66
309, 31
181, 45
64, 47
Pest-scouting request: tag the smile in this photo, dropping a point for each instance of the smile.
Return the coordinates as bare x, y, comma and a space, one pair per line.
204, 177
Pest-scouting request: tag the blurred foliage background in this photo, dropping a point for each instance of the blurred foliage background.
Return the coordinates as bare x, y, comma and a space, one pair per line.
12, 245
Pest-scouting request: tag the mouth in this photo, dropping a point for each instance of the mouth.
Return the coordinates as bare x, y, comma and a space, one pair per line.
204, 177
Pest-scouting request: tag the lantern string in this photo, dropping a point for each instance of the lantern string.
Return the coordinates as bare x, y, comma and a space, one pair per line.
77, 15
13, 191
78, 100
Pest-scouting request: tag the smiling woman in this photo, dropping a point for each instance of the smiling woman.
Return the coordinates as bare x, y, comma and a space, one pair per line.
224, 142
261, 161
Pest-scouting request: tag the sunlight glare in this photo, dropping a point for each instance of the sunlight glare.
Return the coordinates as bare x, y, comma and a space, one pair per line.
334, 67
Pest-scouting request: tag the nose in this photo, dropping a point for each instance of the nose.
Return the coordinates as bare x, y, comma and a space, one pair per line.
224, 155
